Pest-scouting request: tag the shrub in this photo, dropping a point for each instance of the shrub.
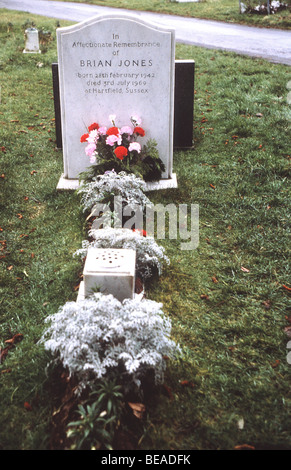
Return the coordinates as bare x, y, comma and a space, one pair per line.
103, 188
150, 257
100, 336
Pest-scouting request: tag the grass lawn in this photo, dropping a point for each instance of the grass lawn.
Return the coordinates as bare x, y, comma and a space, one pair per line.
219, 10
227, 299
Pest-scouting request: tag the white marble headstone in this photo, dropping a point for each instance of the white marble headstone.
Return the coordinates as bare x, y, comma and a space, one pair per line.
31, 41
121, 65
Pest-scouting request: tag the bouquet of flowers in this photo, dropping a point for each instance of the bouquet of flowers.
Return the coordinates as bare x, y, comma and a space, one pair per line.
119, 148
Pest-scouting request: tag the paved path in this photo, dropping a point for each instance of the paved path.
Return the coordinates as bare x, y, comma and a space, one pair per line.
271, 44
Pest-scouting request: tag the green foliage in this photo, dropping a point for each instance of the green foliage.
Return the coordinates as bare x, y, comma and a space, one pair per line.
90, 431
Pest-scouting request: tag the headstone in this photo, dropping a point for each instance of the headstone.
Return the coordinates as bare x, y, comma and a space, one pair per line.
112, 271
184, 101
183, 104
31, 41
115, 65
56, 91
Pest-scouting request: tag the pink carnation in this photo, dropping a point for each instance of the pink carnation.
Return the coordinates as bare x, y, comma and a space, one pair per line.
112, 139
102, 130
134, 146
90, 149
126, 130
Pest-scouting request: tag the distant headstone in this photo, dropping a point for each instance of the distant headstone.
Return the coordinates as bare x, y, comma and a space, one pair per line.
31, 41
115, 65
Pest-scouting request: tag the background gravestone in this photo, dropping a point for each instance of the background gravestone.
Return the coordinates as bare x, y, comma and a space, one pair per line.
115, 64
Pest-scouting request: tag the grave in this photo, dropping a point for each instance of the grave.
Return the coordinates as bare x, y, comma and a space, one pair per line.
31, 41
115, 65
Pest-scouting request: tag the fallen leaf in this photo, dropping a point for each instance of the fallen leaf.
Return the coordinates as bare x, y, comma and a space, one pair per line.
245, 270
27, 406
275, 364
286, 287
244, 447
15, 339
138, 409
212, 186
186, 383
3, 353
32, 172
214, 280
204, 296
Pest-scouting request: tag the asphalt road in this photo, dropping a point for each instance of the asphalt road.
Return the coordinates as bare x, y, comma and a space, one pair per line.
270, 44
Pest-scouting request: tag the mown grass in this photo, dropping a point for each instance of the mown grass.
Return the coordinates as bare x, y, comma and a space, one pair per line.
226, 299
218, 10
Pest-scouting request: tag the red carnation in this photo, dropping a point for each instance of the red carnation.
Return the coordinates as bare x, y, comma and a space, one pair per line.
113, 131
139, 130
84, 137
120, 152
93, 127
141, 231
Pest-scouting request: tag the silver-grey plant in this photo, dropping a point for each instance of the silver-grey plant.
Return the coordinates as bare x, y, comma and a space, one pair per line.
150, 257
100, 335
103, 188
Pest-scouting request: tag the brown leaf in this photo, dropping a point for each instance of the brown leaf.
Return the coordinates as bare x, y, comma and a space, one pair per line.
15, 339
212, 186
214, 280
27, 406
245, 270
138, 409
244, 447
186, 383
286, 287
275, 364
204, 296
3, 353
